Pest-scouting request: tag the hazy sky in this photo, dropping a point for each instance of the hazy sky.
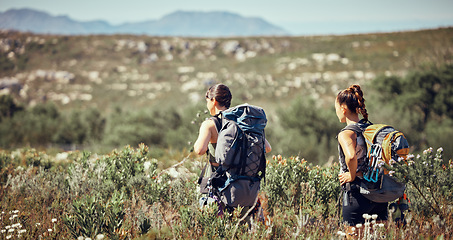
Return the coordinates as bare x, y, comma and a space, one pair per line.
299, 17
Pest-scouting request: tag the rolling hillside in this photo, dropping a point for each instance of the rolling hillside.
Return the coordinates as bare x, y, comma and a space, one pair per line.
139, 71
130, 74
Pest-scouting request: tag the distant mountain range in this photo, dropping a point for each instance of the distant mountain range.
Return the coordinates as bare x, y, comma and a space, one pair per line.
180, 23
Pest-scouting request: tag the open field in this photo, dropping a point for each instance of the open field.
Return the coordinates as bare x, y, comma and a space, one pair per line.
126, 195
128, 81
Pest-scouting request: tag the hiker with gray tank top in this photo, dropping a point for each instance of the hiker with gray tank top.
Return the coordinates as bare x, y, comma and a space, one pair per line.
218, 101
349, 103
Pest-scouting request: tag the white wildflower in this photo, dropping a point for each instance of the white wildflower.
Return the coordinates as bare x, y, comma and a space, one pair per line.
381, 225
428, 151
3, 231
366, 216
80, 238
9, 236
147, 165
22, 231
16, 211
49, 230
54, 220
409, 218
374, 216
100, 236
359, 225
391, 173
11, 230
381, 163
17, 225
436, 219
341, 234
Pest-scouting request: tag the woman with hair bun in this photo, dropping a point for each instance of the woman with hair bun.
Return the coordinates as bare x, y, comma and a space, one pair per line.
241, 191
218, 99
349, 103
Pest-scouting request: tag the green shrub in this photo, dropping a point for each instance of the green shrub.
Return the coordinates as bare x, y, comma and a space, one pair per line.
430, 181
92, 215
293, 183
142, 202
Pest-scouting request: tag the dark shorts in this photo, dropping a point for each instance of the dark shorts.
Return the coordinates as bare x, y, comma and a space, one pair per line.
355, 205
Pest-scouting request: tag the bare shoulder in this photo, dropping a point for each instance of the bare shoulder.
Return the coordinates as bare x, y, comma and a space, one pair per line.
346, 134
208, 123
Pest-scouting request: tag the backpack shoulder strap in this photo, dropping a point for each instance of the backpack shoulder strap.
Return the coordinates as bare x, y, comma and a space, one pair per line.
353, 127
218, 124
358, 128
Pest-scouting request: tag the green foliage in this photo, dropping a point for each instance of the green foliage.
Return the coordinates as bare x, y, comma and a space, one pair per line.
424, 100
126, 171
312, 131
285, 179
93, 215
430, 180
298, 200
204, 223
5, 160
8, 107
37, 159
132, 198
293, 183
44, 124
6, 65
164, 128
5, 163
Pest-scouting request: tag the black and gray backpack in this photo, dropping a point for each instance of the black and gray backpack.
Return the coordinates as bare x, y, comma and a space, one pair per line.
240, 149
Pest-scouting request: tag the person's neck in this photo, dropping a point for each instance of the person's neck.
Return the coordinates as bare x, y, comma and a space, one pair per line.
218, 110
352, 119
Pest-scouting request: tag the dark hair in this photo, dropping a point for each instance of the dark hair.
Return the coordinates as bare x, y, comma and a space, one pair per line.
221, 93
353, 98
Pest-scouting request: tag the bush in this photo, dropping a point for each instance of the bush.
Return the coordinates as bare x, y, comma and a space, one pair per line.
293, 183
430, 182
123, 195
314, 130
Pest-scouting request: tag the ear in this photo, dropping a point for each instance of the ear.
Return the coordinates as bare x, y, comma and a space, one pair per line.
344, 108
215, 103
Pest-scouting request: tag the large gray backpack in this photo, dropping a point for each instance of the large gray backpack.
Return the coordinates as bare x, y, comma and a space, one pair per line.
240, 145
240, 150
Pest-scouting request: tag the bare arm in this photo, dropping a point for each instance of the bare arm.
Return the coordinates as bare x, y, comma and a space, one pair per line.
347, 140
201, 144
267, 145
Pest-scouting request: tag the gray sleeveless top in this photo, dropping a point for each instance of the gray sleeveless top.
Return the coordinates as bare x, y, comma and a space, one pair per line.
360, 148
212, 146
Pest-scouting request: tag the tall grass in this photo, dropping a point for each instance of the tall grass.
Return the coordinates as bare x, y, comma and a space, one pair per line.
126, 195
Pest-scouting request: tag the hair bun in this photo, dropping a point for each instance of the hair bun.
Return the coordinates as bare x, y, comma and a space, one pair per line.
353, 97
